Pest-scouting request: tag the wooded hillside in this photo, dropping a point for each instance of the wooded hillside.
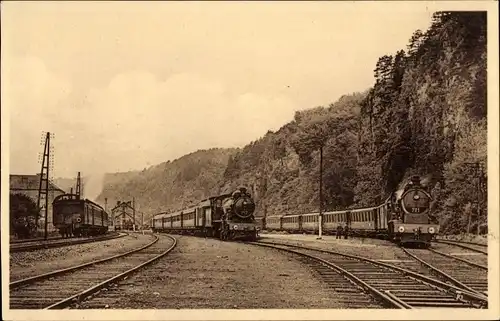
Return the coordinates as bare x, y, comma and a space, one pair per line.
425, 115
170, 185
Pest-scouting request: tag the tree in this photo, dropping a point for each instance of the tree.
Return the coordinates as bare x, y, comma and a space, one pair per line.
23, 212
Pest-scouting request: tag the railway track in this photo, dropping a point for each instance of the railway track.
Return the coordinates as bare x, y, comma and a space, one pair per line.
34, 245
474, 258
475, 247
37, 239
387, 285
466, 275
63, 288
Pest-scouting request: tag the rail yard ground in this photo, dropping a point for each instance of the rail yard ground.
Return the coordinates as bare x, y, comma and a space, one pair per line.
208, 273
25, 264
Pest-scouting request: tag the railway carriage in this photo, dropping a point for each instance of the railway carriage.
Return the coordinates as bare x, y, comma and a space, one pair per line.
74, 216
292, 223
309, 222
273, 222
261, 223
331, 220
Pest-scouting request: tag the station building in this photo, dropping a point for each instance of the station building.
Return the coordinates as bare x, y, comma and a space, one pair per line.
28, 185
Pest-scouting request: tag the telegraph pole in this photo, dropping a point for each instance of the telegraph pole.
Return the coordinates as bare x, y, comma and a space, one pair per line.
320, 218
133, 210
44, 178
477, 169
480, 195
78, 186
142, 222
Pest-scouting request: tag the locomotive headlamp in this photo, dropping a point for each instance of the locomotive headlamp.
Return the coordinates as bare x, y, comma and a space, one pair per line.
401, 229
416, 197
235, 227
78, 220
431, 230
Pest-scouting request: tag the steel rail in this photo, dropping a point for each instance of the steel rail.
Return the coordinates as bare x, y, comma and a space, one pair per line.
18, 283
36, 239
464, 246
387, 299
82, 295
473, 297
459, 259
68, 242
463, 242
441, 273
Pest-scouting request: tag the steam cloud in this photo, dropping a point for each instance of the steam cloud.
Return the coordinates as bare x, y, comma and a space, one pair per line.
93, 186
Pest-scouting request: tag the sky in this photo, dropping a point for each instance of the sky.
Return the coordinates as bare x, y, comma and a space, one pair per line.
127, 85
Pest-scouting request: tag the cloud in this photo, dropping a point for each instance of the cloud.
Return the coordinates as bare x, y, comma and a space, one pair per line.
134, 121
155, 120
34, 97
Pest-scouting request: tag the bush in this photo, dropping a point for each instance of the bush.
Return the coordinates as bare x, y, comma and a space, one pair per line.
23, 212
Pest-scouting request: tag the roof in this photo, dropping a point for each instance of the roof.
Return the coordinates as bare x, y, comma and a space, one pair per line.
29, 183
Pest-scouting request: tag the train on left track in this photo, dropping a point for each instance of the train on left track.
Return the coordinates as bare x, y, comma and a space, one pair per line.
226, 216
74, 216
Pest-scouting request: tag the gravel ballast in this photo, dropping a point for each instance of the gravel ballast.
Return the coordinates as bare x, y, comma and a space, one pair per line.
26, 264
375, 249
208, 273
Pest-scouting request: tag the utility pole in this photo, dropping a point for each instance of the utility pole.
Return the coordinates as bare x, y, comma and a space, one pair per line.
320, 218
133, 210
480, 194
44, 178
142, 222
477, 169
78, 186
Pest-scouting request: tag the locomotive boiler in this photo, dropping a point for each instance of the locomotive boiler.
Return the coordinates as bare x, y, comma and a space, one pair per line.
238, 216
411, 220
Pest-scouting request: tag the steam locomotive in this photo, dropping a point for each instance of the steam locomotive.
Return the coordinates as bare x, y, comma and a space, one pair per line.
74, 216
404, 218
226, 216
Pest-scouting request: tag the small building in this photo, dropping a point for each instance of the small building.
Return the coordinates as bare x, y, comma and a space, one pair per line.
122, 216
29, 185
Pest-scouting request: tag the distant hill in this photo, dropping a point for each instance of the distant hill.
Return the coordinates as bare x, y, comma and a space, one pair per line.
170, 185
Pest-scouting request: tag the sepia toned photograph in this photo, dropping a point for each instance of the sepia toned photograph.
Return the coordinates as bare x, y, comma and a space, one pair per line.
249, 160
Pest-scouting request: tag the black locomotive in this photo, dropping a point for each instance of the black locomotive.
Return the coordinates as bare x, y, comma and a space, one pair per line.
226, 216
